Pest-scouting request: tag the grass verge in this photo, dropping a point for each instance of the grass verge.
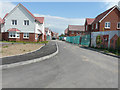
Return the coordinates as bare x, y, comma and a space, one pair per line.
116, 52
43, 42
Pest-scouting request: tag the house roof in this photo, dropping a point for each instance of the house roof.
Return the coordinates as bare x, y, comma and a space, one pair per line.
39, 19
90, 20
76, 28
13, 29
102, 15
1, 21
66, 30
5, 15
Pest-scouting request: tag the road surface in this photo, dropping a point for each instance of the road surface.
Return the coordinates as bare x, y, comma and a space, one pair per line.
72, 67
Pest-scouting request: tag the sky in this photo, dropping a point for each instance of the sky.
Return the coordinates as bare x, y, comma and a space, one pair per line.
58, 15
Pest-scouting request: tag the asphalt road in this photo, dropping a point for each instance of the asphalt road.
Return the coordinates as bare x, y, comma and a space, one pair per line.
73, 67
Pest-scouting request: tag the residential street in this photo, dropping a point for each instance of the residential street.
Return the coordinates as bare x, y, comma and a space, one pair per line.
72, 67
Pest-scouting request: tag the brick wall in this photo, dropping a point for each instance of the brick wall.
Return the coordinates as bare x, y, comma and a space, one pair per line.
75, 33
30, 39
113, 18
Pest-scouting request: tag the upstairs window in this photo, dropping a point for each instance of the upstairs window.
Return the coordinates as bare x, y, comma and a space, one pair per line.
14, 22
26, 22
72, 32
86, 27
118, 25
92, 26
96, 26
107, 24
26, 35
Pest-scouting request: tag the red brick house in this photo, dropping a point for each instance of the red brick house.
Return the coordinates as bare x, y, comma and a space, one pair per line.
75, 30
107, 21
88, 24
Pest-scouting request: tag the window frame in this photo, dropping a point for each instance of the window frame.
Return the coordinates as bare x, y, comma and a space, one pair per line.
27, 23
14, 22
107, 25
92, 26
13, 34
118, 25
26, 34
86, 27
96, 27
72, 32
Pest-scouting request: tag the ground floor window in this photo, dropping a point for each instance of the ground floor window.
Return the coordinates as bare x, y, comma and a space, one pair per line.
26, 35
14, 35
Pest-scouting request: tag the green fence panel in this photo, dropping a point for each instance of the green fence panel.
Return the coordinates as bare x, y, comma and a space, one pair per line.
61, 38
85, 40
73, 39
48, 37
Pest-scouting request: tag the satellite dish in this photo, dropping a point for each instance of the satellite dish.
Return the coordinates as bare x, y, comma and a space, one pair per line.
119, 4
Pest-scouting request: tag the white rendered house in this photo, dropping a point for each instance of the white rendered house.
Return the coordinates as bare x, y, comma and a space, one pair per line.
21, 25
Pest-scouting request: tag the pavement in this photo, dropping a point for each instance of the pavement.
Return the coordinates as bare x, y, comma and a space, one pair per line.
72, 67
44, 51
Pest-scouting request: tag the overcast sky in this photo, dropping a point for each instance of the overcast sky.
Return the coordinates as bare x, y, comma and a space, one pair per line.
60, 14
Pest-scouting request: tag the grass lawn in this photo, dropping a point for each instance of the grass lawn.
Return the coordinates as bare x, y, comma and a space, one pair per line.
15, 49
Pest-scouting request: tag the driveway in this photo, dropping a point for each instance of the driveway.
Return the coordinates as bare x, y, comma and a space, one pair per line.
72, 67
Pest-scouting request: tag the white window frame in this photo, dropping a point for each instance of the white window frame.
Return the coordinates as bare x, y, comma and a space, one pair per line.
107, 25
92, 26
14, 34
27, 23
117, 25
13, 23
86, 27
72, 32
96, 26
26, 35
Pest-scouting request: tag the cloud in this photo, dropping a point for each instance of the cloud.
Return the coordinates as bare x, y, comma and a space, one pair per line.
59, 24
110, 3
5, 7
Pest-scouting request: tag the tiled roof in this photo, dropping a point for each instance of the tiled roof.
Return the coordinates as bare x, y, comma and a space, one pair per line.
1, 20
76, 28
90, 20
66, 30
39, 19
5, 15
13, 29
100, 16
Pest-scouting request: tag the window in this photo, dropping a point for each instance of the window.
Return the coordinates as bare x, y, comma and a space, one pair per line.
86, 27
14, 35
14, 22
92, 26
72, 32
107, 24
118, 26
18, 35
26, 35
26, 22
96, 26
